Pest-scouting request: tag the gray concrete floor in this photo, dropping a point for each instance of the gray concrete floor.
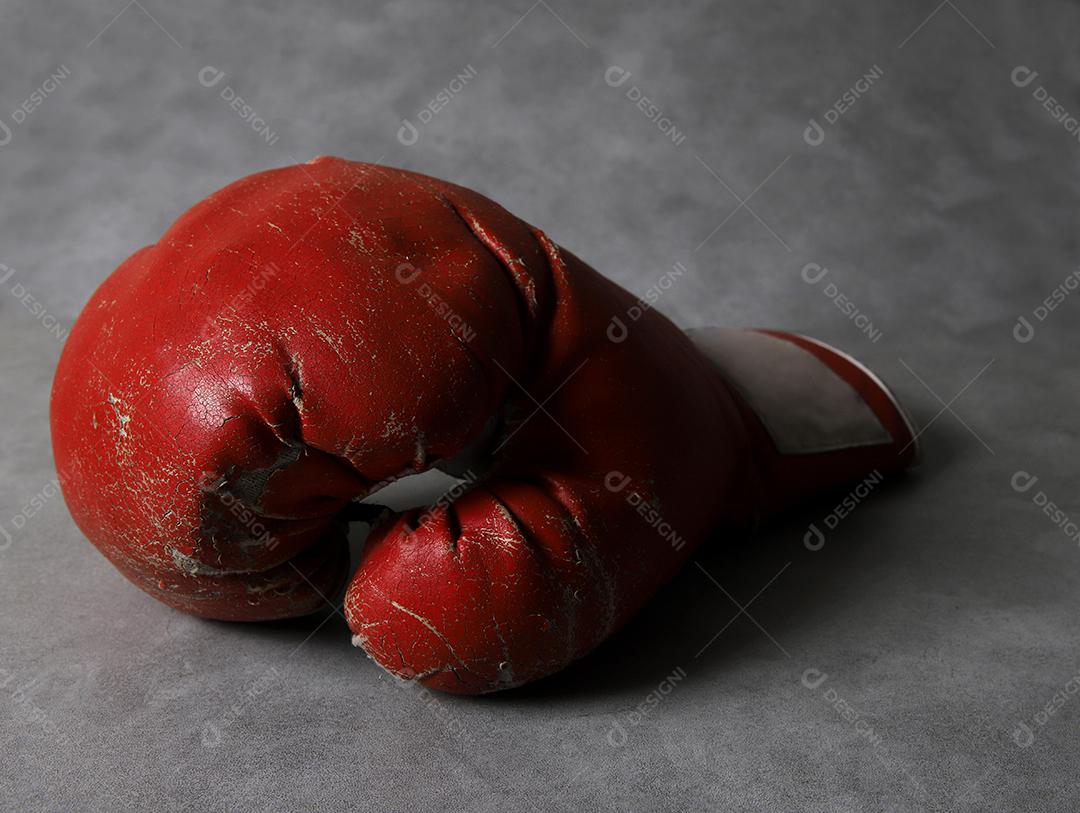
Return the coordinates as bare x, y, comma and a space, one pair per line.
924, 658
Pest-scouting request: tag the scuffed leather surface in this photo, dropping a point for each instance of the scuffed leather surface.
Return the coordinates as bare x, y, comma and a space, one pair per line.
273, 357
945, 207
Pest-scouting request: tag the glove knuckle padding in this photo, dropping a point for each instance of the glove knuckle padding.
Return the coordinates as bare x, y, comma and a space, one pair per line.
230, 389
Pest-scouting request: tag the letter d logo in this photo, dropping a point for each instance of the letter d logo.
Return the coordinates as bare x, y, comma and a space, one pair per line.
617, 735
616, 76
210, 76
406, 273
1023, 736
813, 273
1023, 332
211, 736
1022, 481
617, 331
5, 134
407, 133
812, 678
616, 481
1023, 76
814, 539
813, 134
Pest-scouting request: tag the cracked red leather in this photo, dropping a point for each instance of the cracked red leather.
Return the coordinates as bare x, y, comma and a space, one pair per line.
308, 334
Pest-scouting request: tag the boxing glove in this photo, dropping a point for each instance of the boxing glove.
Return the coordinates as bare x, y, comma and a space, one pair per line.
307, 335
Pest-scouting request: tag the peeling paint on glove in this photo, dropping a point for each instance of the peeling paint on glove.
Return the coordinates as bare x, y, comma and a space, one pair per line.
309, 333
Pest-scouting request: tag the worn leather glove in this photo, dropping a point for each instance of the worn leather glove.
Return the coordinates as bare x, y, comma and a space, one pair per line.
309, 334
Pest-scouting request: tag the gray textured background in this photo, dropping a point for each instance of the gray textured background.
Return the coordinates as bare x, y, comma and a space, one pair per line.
943, 204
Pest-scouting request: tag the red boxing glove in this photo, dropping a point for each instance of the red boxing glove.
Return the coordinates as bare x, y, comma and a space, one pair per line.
308, 334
